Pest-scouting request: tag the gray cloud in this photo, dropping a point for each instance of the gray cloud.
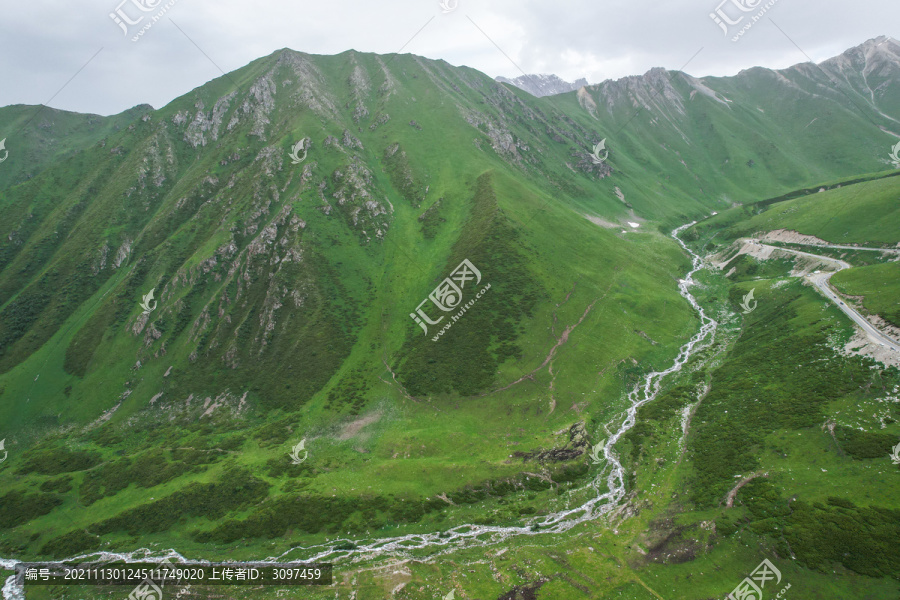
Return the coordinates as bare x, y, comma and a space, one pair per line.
47, 42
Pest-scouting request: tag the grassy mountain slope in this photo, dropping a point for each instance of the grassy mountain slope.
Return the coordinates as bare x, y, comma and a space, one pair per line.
284, 293
846, 213
863, 211
39, 136
284, 297
822, 501
737, 139
803, 425
877, 285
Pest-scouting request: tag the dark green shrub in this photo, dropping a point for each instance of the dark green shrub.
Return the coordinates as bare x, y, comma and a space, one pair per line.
238, 488
864, 444
17, 508
70, 544
60, 484
61, 460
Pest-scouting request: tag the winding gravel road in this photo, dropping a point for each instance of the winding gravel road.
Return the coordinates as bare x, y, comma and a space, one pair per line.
820, 280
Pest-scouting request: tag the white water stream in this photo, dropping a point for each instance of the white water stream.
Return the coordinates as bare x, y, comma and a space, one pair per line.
472, 535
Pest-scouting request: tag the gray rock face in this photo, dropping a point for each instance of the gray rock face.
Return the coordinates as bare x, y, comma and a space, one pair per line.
543, 85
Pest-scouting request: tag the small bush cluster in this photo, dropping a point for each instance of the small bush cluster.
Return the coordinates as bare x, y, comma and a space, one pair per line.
237, 489
864, 444
18, 507
146, 470
60, 484
59, 460
75, 542
350, 392
398, 168
862, 539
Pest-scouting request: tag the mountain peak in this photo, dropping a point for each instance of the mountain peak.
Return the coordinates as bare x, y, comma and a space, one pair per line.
544, 85
870, 54
880, 44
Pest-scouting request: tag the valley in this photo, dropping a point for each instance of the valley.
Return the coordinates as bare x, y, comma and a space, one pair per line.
685, 363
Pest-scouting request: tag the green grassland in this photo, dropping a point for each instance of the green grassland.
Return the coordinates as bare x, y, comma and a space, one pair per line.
680, 541
865, 214
879, 287
862, 211
38, 137
826, 513
284, 293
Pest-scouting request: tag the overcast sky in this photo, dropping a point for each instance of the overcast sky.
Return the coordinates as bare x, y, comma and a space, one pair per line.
74, 56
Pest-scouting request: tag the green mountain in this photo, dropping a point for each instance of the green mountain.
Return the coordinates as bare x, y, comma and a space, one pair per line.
291, 283
39, 136
282, 296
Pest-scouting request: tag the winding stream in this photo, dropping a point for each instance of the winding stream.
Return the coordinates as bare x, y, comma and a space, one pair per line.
475, 535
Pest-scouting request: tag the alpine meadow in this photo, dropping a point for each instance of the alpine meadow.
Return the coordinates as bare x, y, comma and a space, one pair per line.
392, 328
